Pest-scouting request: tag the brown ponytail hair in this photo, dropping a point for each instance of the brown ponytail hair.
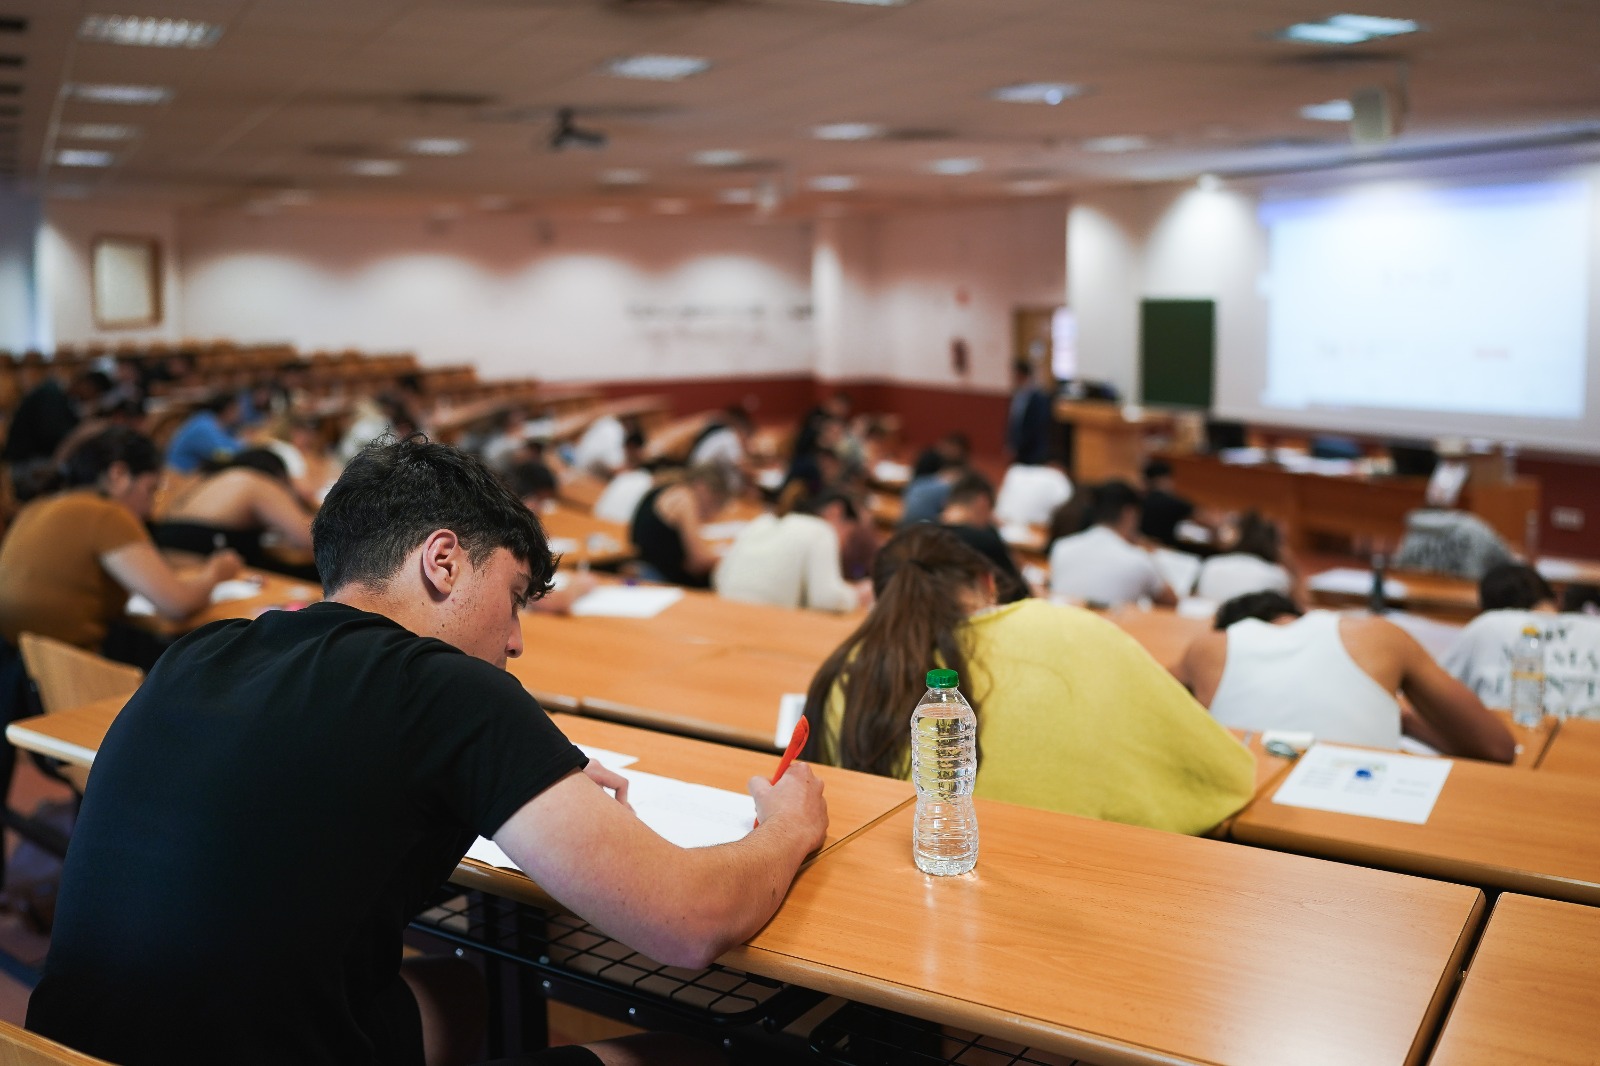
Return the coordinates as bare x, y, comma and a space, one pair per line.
918, 580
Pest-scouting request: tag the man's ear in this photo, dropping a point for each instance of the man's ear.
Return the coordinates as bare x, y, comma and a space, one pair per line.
442, 561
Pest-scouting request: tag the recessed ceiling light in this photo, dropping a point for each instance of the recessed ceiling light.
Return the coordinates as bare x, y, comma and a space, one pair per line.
1375, 26
671, 207
847, 131
149, 32
1127, 143
437, 146
737, 196
623, 176
964, 165
99, 131
1329, 111
1347, 29
120, 94
1037, 92
833, 183
81, 157
375, 168
658, 67
719, 157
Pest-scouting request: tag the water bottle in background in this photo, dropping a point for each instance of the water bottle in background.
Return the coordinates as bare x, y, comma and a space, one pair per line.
1376, 603
1527, 678
944, 766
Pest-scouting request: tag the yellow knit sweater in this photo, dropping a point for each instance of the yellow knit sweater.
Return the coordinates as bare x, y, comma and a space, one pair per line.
1075, 716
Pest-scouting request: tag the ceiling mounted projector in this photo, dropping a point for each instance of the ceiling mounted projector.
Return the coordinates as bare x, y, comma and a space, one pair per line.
568, 134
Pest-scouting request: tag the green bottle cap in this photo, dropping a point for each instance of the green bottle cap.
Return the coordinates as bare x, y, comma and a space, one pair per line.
942, 679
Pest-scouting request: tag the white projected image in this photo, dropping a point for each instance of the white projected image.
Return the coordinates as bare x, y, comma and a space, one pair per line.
1467, 300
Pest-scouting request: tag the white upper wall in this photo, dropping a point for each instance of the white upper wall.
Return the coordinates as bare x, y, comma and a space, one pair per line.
64, 266
875, 297
553, 300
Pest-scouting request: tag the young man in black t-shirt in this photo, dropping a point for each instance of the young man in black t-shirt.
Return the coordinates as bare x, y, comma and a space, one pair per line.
282, 796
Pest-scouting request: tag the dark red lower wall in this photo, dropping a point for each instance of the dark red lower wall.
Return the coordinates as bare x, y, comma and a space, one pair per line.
1570, 481
925, 414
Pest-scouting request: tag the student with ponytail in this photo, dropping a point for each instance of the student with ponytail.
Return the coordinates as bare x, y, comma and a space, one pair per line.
1073, 715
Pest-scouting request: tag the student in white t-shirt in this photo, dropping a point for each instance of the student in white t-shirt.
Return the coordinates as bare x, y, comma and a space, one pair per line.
793, 560
1255, 562
602, 450
1514, 596
1267, 666
725, 440
1102, 565
621, 496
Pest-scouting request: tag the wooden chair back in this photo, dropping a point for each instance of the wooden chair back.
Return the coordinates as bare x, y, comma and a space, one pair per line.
70, 677
18, 1047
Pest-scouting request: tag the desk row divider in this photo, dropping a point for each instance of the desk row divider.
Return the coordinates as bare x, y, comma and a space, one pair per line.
941, 1009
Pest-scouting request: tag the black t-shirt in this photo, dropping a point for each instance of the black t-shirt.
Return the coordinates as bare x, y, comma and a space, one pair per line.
265, 816
1161, 515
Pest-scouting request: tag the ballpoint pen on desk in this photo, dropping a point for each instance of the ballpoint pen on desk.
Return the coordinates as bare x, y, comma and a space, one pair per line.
797, 740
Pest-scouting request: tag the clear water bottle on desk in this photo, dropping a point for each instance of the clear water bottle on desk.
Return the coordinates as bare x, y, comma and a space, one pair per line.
1527, 678
944, 766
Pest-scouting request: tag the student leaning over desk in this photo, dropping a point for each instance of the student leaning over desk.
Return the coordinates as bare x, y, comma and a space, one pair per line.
1073, 715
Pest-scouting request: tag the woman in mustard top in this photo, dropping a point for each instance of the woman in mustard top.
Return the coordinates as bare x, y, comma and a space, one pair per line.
1073, 715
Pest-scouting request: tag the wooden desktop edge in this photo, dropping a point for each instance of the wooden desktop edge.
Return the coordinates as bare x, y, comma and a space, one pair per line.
661, 721
1444, 996
50, 747
1403, 861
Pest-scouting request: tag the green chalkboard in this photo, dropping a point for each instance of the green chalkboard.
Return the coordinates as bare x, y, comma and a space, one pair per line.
1177, 349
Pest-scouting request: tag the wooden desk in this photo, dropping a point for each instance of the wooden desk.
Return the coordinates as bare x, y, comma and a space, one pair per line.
1128, 945
1165, 633
1348, 505
705, 666
276, 591
1530, 993
1493, 825
594, 541
1533, 741
1574, 749
855, 801
1453, 599
72, 736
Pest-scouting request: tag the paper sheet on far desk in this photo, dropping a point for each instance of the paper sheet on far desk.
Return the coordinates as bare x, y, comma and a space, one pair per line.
1352, 582
627, 601
222, 592
689, 815
1372, 784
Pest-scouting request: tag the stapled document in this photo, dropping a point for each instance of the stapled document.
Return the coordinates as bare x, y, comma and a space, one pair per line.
1372, 784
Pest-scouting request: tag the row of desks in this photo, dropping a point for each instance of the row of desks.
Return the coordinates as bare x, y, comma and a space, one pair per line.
1127, 945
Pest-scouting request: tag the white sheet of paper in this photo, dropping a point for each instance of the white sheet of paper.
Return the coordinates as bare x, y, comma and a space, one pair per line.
627, 601
791, 706
1352, 582
770, 479
1180, 569
1195, 607
241, 588
564, 545
722, 530
890, 472
1372, 784
611, 760
1552, 569
1017, 533
688, 815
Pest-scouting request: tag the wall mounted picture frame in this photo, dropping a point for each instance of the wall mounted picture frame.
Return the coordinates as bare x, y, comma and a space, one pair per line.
126, 275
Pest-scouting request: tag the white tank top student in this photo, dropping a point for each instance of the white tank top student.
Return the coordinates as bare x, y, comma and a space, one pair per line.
1300, 676
621, 496
1268, 667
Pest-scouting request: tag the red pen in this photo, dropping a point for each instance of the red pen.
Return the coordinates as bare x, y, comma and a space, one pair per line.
797, 740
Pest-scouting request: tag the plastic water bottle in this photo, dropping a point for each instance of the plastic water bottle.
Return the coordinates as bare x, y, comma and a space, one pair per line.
1527, 678
944, 765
